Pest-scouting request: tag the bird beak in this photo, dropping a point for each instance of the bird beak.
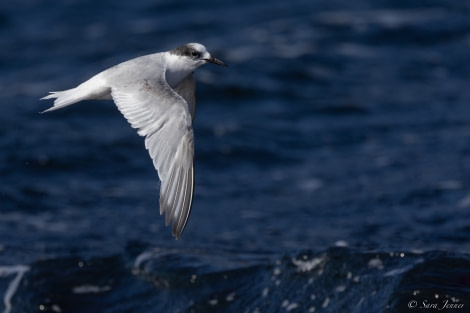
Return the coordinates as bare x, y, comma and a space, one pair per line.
215, 61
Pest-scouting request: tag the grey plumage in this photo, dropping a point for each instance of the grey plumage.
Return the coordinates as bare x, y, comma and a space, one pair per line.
156, 94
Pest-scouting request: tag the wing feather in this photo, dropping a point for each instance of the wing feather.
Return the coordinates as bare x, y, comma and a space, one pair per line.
187, 90
163, 116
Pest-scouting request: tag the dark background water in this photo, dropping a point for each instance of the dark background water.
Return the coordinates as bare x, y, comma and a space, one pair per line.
332, 159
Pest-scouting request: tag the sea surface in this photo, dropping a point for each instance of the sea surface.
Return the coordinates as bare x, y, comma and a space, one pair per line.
332, 160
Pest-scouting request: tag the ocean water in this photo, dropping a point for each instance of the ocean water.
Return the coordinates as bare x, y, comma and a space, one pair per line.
332, 160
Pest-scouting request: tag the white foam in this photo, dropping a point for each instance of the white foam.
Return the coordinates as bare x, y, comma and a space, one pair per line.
19, 270
90, 289
308, 265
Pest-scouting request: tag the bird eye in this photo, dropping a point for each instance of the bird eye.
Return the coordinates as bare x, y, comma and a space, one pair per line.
195, 54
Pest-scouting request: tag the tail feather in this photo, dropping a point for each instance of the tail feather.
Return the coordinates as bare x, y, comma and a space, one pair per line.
94, 88
63, 98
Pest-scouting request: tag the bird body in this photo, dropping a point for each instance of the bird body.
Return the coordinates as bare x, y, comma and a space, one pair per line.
156, 94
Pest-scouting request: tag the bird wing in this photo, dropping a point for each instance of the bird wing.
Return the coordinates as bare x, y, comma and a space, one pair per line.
187, 90
163, 117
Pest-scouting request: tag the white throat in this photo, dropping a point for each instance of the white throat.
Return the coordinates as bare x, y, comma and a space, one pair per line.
178, 68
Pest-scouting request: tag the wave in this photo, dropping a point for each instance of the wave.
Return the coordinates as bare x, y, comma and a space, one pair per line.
339, 279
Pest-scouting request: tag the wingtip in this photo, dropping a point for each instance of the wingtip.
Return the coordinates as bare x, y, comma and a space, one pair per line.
177, 232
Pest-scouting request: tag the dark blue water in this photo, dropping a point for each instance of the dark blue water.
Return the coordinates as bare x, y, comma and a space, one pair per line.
332, 160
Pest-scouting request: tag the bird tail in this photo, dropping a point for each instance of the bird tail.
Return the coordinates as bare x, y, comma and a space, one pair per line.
94, 88
64, 98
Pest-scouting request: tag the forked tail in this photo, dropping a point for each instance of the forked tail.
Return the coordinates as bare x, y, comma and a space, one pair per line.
94, 88
63, 98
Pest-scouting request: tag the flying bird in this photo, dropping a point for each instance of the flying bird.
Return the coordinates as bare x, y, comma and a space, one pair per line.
156, 94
